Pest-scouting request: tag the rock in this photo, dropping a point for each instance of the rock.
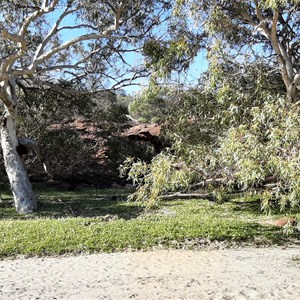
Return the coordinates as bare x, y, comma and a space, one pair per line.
284, 221
146, 132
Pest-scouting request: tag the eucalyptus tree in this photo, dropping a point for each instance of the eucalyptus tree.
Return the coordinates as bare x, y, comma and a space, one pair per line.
261, 29
46, 42
254, 74
264, 145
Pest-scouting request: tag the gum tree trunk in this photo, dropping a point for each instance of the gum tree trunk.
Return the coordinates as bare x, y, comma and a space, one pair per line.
24, 197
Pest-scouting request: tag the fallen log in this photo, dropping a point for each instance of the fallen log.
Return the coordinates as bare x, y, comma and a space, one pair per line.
179, 195
208, 196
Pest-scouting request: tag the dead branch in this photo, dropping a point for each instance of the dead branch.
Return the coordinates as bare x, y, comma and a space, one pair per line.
207, 196
180, 195
68, 206
210, 181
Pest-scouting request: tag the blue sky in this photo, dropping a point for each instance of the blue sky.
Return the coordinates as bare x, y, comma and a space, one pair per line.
191, 77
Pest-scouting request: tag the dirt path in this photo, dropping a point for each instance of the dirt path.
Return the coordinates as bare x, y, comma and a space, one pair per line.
271, 273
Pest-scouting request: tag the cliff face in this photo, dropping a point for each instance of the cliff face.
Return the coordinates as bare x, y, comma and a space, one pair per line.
146, 132
90, 161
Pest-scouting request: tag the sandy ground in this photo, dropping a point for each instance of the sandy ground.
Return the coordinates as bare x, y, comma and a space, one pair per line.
269, 273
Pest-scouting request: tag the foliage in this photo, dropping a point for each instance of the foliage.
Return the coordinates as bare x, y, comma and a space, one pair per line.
120, 147
66, 149
245, 133
164, 57
248, 99
87, 44
266, 146
163, 174
187, 114
153, 104
176, 51
194, 118
259, 30
191, 124
103, 31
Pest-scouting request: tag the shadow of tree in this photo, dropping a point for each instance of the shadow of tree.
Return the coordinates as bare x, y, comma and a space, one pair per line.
107, 209
107, 204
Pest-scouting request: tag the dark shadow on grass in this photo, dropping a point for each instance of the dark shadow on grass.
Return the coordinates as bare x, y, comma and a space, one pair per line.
116, 208
252, 207
55, 203
86, 202
259, 235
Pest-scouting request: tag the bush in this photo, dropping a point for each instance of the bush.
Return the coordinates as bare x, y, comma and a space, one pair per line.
47, 115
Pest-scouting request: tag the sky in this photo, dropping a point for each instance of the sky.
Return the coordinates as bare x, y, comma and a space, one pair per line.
190, 78
199, 65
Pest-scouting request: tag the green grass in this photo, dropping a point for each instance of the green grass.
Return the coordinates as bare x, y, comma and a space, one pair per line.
92, 220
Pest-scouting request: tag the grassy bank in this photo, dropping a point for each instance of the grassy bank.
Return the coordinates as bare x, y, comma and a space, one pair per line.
95, 220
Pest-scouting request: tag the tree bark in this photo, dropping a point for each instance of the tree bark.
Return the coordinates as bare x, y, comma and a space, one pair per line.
24, 197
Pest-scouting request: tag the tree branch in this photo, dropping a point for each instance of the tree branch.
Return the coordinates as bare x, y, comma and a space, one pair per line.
86, 37
51, 33
10, 60
282, 56
296, 78
45, 9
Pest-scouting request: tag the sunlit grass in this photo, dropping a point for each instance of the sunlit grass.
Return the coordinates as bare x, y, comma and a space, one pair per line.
92, 220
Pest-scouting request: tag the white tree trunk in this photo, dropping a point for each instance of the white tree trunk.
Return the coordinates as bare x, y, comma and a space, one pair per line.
24, 197
292, 91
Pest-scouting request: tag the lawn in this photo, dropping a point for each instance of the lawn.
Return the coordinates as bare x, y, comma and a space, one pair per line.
90, 220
